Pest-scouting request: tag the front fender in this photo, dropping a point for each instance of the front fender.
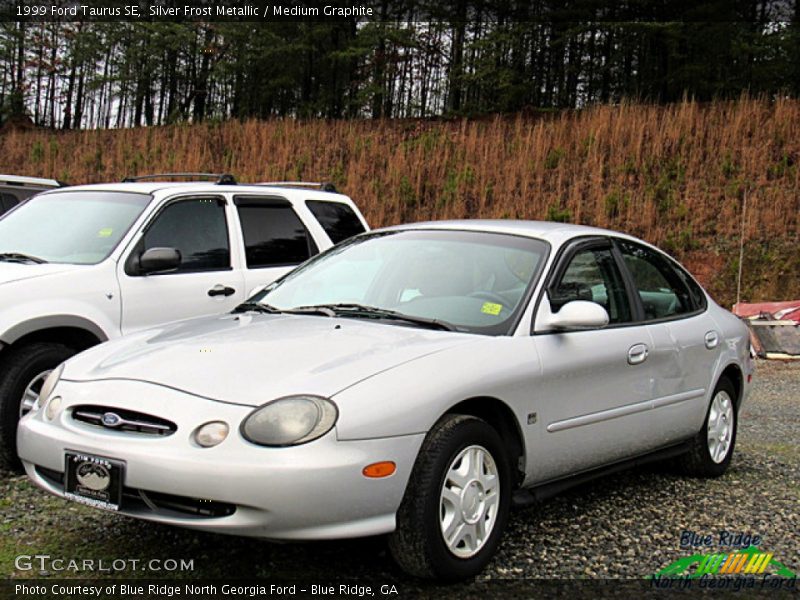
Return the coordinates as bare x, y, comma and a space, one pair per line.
410, 398
85, 297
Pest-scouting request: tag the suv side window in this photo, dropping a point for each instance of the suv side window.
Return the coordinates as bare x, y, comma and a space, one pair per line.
337, 219
7, 201
592, 274
664, 293
273, 233
197, 228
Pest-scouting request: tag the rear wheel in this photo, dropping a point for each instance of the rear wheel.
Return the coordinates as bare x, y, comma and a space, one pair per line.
22, 373
712, 448
455, 508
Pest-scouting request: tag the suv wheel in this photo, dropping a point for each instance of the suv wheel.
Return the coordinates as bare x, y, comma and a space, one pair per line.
456, 505
22, 373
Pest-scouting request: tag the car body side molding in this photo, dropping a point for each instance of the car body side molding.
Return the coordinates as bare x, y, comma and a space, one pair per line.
622, 411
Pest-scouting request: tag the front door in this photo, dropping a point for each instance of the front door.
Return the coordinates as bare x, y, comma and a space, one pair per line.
205, 282
595, 388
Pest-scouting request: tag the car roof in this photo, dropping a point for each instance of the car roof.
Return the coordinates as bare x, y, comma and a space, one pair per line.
544, 230
290, 192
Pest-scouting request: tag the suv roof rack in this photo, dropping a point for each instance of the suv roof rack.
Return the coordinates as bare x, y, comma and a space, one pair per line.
324, 186
18, 180
222, 178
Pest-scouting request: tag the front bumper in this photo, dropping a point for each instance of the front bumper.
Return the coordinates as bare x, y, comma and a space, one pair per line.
311, 491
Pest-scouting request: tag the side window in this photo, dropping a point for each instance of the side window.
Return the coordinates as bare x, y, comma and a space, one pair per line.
593, 275
663, 291
7, 201
337, 219
273, 233
197, 229
698, 295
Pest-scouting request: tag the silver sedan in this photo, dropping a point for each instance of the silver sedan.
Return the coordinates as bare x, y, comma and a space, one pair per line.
410, 382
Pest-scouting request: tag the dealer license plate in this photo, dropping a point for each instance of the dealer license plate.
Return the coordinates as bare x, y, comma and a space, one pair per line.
93, 480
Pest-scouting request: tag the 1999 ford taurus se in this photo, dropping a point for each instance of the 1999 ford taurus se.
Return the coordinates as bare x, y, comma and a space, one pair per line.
409, 381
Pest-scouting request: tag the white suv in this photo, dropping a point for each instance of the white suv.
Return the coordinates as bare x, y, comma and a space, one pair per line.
81, 265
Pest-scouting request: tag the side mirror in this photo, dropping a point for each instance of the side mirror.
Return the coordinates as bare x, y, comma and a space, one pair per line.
159, 260
573, 316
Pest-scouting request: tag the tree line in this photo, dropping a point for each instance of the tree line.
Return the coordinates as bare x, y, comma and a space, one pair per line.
414, 60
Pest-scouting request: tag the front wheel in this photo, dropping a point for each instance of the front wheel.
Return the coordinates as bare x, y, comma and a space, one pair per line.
22, 373
456, 505
712, 448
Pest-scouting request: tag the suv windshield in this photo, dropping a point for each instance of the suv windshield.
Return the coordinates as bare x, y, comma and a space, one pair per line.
70, 227
467, 281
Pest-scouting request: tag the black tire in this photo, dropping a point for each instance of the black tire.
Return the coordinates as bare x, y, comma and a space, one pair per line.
418, 545
698, 462
18, 367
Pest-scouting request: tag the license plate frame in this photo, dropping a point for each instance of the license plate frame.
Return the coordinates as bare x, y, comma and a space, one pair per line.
93, 480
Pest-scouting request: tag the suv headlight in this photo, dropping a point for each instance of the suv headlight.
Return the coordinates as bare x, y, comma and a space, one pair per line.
48, 386
290, 421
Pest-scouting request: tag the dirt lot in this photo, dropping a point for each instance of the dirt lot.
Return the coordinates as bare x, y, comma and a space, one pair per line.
625, 526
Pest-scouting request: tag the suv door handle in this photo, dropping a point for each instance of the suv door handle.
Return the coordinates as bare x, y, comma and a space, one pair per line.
637, 354
221, 290
711, 339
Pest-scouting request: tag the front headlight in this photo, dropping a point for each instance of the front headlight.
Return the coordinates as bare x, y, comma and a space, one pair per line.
290, 421
48, 386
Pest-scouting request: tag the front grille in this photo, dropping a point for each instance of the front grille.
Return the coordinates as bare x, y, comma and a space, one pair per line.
117, 419
141, 501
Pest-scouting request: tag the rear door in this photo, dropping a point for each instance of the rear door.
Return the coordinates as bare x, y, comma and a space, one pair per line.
206, 282
595, 387
275, 238
686, 343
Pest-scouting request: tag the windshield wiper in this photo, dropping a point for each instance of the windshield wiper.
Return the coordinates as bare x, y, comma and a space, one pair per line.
273, 310
360, 310
323, 310
19, 257
256, 307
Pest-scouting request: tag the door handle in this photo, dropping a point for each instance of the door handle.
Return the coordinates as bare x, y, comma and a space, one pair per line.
711, 340
637, 354
221, 290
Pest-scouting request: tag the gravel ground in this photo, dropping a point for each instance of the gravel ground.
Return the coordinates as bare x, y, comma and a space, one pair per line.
623, 526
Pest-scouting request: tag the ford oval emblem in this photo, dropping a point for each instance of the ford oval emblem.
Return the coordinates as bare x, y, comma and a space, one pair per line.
111, 419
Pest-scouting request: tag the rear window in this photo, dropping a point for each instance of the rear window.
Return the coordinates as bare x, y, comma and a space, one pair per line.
337, 219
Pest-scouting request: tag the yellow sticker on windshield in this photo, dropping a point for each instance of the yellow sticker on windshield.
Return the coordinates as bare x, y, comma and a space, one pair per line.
490, 308
105, 232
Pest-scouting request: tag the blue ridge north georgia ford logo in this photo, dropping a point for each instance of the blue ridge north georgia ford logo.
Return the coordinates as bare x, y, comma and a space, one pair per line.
93, 476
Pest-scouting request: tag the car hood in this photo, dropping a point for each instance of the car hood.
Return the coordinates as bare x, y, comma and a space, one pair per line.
14, 271
251, 359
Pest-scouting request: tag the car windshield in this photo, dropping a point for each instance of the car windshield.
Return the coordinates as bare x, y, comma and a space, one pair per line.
459, 280
80, 227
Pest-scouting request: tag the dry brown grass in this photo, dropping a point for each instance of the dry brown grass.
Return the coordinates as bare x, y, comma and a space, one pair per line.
674, 175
